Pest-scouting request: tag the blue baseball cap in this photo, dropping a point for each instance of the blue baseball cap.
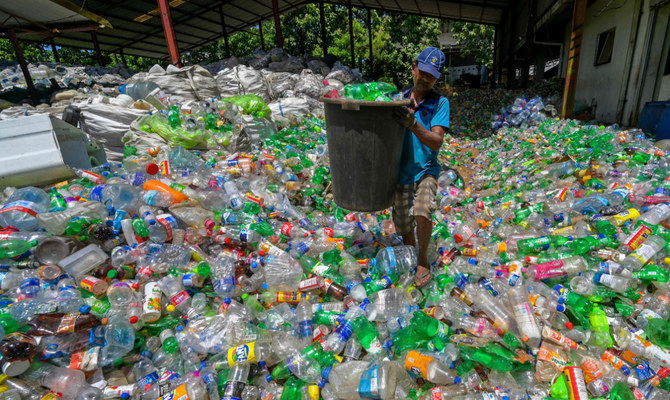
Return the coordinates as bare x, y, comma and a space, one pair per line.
431, 60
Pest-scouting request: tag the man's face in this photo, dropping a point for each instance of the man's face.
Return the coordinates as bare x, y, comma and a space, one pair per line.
423, 81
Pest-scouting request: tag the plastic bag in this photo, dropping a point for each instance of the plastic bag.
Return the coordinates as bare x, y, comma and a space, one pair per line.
251, 104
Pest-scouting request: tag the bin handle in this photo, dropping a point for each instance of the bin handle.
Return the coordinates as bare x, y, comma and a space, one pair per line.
349, 105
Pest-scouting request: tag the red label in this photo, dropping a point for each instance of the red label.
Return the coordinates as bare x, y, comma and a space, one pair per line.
19, 208
286, 229
179, 298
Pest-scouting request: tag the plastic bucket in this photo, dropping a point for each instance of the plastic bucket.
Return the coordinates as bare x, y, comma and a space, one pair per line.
364, 144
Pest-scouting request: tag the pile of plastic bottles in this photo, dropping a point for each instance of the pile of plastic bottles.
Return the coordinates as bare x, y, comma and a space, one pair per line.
521, 112
216, 275
472, 109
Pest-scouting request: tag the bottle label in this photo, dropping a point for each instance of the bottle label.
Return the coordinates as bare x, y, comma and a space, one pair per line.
525, 318
345, 331
648, 314
644, 253
179, 298
549, 270
89, 282
148, 379
308, 284
436, 394
291, 297
305, 328
242, 354
576, 385
179, 393
639, 237
286, 229
150, 196
27, 207
369, 385
169, 222
187, 280
591, 371
320, 269
606, 280
417, 363
443, 330
67, 324
558, 338
614, 361
552, 357
461, 281
152, 301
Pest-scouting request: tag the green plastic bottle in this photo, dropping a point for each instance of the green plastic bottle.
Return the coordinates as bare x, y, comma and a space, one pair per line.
658, 332
559, 390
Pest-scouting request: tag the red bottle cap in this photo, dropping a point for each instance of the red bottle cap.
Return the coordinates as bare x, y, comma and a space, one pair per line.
152, 169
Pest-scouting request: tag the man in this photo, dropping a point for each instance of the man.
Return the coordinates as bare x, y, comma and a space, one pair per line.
425, 122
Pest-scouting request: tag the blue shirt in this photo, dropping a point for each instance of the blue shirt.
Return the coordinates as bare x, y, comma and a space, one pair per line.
417, 159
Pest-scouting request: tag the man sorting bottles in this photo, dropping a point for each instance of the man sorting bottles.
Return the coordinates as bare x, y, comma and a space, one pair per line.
425, 122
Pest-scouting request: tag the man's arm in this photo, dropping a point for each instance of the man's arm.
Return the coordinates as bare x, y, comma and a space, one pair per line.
432, 138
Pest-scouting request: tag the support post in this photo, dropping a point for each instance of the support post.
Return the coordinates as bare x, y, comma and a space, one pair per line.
496, 58
123, 57
511, 66
225, 32
260, 31
24, 66
351, 34
168, 28
370, 38
96, 46
529, 48
275, 10
578, 16
54, 50
322, 18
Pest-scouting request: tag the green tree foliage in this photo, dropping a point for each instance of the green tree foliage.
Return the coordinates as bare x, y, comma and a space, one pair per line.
476, 39
396, 41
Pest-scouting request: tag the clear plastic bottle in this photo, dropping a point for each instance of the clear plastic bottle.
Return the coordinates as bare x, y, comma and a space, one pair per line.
525, 317
22, 207
395, 260
637, 259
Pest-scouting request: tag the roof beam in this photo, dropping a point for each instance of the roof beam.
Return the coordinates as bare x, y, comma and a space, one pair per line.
130, 21
177, 9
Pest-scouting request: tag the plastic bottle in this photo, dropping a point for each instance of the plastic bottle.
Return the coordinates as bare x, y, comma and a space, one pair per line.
22, 207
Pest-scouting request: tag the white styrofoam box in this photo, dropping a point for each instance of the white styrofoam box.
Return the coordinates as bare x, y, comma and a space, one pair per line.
37, 150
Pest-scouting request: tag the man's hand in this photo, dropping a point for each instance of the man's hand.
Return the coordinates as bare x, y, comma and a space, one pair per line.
404, 116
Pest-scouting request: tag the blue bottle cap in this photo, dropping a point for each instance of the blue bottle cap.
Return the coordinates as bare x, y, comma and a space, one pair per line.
560, 308
85, 309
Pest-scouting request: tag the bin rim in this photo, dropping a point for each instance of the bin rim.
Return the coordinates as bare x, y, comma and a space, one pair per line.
349, 103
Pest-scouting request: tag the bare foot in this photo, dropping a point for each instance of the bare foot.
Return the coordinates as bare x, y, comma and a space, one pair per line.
422, 276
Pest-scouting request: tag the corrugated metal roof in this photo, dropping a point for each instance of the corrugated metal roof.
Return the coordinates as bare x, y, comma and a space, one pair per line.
138, 30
